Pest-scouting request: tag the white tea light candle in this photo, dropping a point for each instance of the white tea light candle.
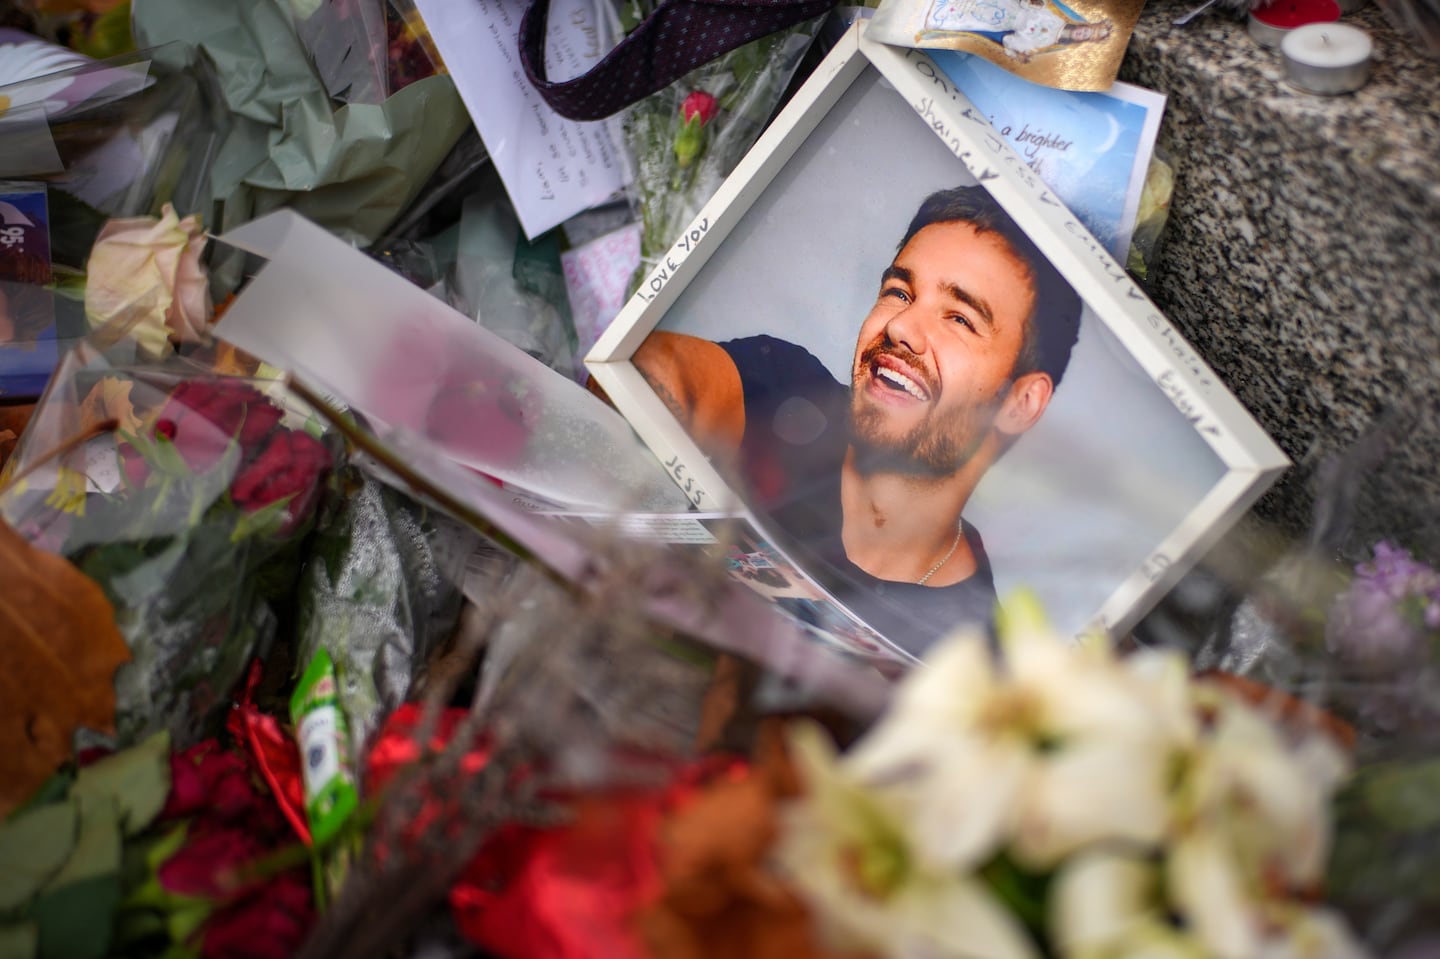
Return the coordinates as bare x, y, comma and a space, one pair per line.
1327, 58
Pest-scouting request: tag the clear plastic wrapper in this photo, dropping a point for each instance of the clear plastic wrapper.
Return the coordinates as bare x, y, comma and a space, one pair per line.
354, 169
500, 280
187, 494
346, 41
1342, 624
117, 138
399, 356
685, 139
379, 591
1147, 242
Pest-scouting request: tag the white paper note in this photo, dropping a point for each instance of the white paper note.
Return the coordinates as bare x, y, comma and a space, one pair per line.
552, 167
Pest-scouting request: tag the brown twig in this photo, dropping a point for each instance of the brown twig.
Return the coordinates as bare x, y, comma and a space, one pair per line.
63, 448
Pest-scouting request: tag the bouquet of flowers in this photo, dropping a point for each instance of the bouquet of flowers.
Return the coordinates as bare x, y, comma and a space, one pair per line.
149, 852
685, 139
185, 491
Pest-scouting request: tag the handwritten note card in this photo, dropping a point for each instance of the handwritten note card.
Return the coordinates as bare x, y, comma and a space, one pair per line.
1090, 148
552, 167
597, 276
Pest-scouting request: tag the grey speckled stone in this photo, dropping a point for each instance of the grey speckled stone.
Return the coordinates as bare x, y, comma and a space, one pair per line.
1302, 257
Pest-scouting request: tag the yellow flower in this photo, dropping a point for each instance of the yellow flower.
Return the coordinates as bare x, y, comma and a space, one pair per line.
853, 859
146, 273
68, 496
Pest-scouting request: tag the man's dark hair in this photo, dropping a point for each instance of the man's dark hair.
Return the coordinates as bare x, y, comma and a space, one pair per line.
1054, 324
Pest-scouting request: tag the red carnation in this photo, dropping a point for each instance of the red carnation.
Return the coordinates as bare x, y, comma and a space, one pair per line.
699, 104
202, 417
291, 464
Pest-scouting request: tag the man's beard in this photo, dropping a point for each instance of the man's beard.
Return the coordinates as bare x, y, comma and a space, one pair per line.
935, 448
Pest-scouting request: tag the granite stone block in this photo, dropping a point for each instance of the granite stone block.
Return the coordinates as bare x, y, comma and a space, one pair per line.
1302, 256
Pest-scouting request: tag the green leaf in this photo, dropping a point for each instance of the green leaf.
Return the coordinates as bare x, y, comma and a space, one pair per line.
184, 920
161, 452
18, 940
143, 930
265, 521
74, 224
135, 868
97, 848
33, 848
109, 36
53, 790
167, 847
1403, 795
1024, 893
137, 779
75, 921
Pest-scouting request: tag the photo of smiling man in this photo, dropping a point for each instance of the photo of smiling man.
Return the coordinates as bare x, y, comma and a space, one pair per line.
968, 338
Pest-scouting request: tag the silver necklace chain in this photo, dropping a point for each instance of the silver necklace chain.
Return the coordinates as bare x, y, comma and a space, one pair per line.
944, 559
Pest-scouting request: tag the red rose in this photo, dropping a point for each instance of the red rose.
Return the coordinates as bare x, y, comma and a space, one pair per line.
482, 423
291, 464
134, 465
208, 779
209, 863
699, 104
202, 417
269, 924
187, 788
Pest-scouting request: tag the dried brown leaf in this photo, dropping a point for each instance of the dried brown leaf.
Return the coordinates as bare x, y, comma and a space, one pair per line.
109, 399
57, 663
719, 898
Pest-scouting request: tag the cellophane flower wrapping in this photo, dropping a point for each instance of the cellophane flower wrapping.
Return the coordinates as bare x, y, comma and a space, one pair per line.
1344, 622
347, 43
379, 592
187, 493
685, 139
128, 135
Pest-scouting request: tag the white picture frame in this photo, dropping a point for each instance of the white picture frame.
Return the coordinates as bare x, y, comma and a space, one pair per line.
1102, 506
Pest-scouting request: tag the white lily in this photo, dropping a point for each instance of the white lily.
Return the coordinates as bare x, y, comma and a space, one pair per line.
1057, 747
1299, 933
1252, 822
1106, 905
1099, 898
849, 855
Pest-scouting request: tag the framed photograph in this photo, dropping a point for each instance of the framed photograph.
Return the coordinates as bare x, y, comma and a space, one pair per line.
921, 378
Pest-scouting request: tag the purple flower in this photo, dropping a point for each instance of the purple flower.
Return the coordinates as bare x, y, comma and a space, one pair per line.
1388, 613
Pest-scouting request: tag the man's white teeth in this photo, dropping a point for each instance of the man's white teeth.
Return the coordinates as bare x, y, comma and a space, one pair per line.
902, 381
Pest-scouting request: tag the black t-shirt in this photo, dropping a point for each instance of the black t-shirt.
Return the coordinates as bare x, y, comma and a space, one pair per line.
796, 435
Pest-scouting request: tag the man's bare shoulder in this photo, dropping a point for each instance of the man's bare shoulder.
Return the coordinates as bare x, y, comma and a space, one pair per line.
698, 382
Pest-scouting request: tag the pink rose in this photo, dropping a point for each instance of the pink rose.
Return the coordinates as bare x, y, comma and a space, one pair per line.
148, 272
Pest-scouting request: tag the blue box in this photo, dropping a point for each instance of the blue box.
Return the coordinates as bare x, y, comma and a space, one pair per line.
28, 348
